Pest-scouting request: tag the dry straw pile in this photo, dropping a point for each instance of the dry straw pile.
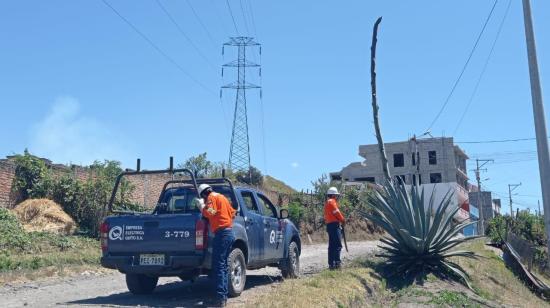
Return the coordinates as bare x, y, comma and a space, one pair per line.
44, 215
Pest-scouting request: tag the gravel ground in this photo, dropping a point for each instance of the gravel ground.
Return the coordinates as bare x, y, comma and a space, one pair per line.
110, 290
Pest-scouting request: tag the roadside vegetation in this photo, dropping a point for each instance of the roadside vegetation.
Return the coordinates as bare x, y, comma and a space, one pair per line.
362, 284
22, 253
527, 226
84, 200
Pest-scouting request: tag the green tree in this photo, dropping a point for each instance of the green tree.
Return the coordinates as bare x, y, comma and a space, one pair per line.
32, 178
199, 165
320, 187
217, 170
252, 177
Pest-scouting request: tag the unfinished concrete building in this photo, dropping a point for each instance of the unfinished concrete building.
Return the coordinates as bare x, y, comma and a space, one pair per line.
422, 161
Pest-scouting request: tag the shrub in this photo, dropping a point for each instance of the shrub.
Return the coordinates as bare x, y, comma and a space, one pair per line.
252, 177
497, 229
12, 235
32, 178
525, 225
296, 212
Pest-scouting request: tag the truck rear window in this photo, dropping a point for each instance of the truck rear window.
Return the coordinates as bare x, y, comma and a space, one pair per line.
181, 199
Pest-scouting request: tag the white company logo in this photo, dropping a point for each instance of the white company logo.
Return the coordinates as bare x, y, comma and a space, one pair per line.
272, 237
116, 233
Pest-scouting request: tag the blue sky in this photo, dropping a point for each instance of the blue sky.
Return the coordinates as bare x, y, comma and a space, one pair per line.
78, 84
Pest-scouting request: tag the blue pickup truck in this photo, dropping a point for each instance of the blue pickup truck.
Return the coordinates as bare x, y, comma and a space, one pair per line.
174, 239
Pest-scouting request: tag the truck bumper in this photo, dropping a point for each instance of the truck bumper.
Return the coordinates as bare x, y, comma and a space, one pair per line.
130, 264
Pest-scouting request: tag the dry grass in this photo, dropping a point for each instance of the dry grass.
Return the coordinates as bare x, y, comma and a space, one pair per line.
327, 289
360, 285
497, 283
44, 215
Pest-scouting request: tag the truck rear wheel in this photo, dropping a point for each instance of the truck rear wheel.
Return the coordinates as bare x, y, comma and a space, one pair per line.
141, 284
290, 267
237, 272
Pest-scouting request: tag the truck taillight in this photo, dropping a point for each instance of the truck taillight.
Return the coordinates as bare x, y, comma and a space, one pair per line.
104, 234
201, 235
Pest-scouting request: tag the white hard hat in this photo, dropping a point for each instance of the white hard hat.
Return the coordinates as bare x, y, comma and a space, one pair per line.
332, 191
203, 187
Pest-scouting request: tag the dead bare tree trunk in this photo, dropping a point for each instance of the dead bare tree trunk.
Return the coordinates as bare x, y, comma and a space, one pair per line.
375, 107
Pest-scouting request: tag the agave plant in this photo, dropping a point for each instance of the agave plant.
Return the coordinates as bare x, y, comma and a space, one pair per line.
420, 240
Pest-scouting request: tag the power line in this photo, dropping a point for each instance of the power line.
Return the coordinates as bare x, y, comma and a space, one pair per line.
463, 68
201, 23
264, 148
180, 30
252, 18
220, 20
160, 51
474, 92
504, 154
515, 161
232, 17
496, 141
244, 17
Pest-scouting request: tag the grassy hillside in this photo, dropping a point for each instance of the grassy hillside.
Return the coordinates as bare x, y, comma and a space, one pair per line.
271, 183
361, 285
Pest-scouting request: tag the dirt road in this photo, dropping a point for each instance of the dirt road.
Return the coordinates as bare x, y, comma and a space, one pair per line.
110, 290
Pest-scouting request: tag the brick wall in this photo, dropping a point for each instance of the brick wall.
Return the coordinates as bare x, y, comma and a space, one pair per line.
7, 174
147, 188
7, 171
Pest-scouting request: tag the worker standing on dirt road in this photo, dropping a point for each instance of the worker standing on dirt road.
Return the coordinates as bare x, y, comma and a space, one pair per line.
333, 219
219, 212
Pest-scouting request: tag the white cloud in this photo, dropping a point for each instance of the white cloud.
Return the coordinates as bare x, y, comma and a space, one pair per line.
65, 135
295, 165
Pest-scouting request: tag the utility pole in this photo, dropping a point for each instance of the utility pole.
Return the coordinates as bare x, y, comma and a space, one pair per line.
511, 188
239, 153
538, 201
538, 113
479, 205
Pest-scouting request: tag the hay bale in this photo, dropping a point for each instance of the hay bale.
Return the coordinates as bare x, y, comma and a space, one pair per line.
44, 215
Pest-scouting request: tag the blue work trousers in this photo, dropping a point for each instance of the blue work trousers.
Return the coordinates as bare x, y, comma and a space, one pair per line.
223, 240
334, 244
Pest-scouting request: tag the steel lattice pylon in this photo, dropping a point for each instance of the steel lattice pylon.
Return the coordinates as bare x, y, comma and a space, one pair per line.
239, 153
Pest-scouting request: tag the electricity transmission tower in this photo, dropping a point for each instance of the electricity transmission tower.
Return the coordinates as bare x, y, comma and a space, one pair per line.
239, 153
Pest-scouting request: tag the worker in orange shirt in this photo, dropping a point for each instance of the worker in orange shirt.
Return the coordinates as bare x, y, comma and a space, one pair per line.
219, 212
333, 219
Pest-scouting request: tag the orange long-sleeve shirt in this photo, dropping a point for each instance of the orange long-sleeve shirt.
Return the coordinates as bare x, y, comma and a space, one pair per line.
218, 211
332, 212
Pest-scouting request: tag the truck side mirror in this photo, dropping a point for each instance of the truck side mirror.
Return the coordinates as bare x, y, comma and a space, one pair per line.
283, 214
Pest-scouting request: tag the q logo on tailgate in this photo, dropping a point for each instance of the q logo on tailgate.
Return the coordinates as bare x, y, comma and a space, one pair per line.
116, 233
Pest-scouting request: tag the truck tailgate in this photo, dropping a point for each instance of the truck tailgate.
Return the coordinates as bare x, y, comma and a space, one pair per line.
174, 233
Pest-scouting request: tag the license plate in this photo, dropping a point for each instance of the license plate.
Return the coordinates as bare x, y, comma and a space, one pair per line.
151, 259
